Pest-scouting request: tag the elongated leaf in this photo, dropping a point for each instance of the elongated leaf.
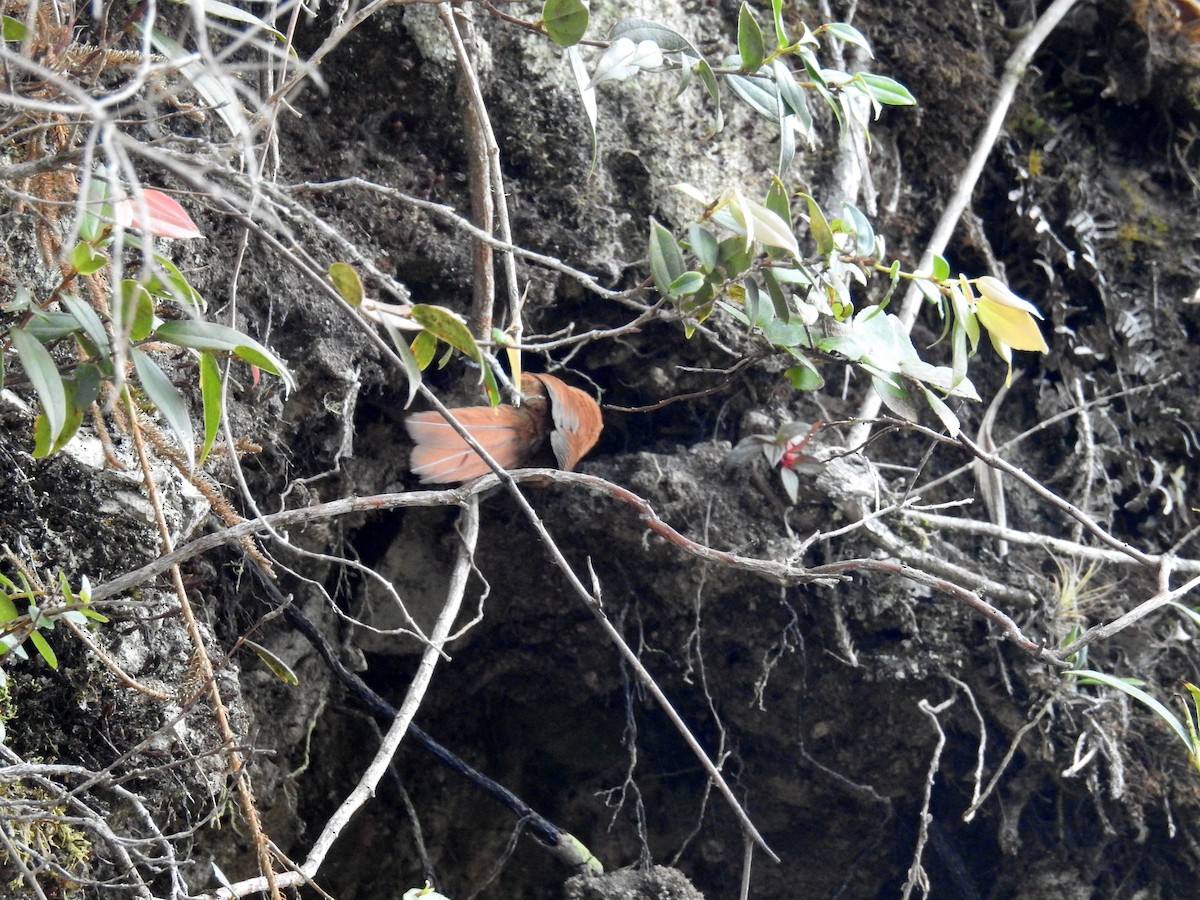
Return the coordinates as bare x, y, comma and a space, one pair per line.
751, 46
565, 21
412, 365
793, 97
210, 392
777, 17
210, 336
162, 393
1123, 685
759, 94
666, 262
448, 326
43, 647
87, 318
168, 283
42, 443
234, 14
156, 213
47, 381
137, 309
687, 283
281, 669
896, 398
587, 96
704, 245
211, 89
864, 234
819, 227
942, 411
805, 377
885, 90
850, 35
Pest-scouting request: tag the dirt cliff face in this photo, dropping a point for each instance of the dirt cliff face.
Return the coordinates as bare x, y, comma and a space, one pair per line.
877, 729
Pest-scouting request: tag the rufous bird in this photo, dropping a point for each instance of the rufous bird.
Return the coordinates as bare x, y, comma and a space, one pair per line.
553, 417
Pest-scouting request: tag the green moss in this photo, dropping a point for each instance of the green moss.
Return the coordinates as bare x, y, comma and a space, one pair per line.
38, 831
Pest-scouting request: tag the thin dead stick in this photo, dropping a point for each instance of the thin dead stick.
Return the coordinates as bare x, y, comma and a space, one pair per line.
481, 147
917, 876
237, 764
449, 214
772, 570
1014, 71
1052, 544
969, 815
1046, 423
365, 789
1089, 524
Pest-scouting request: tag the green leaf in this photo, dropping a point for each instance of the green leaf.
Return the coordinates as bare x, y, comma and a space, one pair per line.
168, 283
805, 377
47, 381
424, 346
850, 35
14, 29
347, 282
778, 301
704, 245
83, 313
819, 227
942, 411
565, 21
864, 234
210, 392
687, 283
162, 393
137, 309
8, 609
43, 647
412, 366
794, 100
751, 46
666, 262
226, 11
885, 90
281, 669
941, 268
1091, 676
43, 446
777, 201
896, 398
200, 335
760, 95
755, 310
448, 326
86, 258
777, 17
64, 585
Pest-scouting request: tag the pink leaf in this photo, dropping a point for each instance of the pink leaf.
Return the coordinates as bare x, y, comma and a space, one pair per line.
164, 216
